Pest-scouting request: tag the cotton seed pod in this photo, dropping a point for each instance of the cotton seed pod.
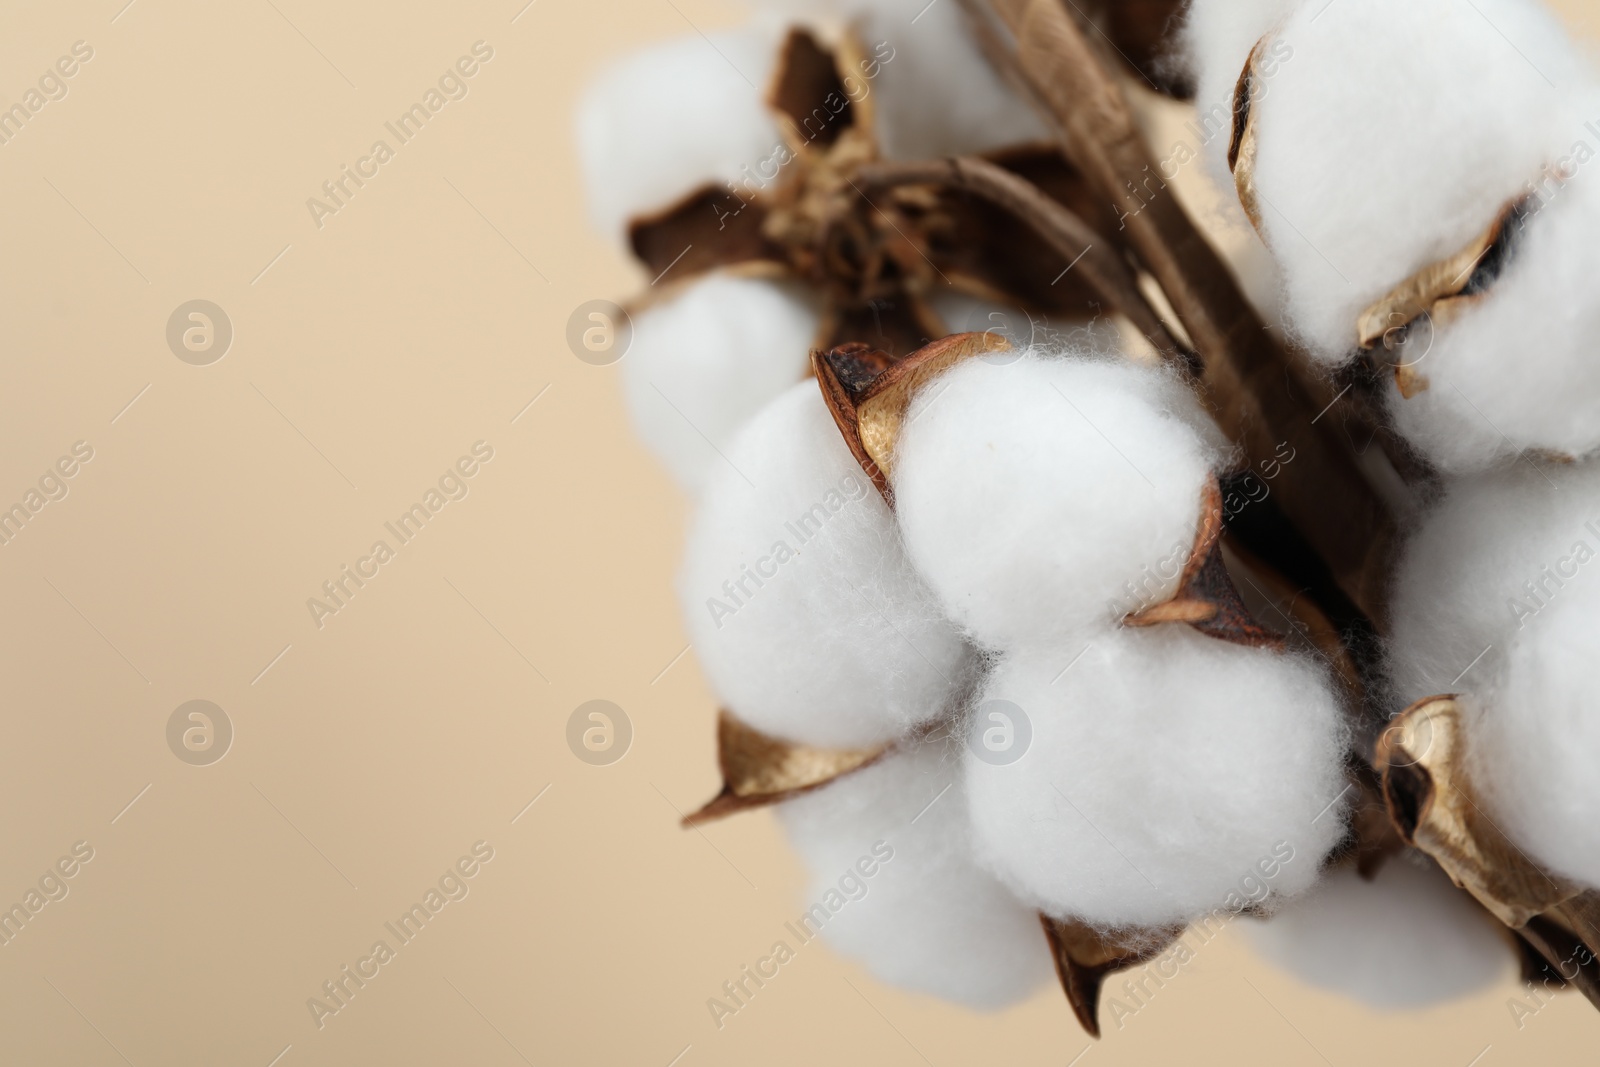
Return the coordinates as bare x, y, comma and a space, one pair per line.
888, 849
1383, 139
674, 116
705, 359
1465, 245
1039, 493
1407, 938
806, 616
1168, 774
1495, 599
1424, 759
1481, 403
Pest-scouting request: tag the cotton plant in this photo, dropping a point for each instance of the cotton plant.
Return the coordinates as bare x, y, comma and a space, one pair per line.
1494, 604
729, 165
1028, 567
884, 560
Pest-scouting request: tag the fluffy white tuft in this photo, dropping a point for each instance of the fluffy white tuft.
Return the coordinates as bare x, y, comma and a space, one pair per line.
665, 120
1406, 939
1496, 598
928, 918
934, 92
706, 360
1516, 371
806, 616
1040, 494
1167, 774
1391, 135
1540, 739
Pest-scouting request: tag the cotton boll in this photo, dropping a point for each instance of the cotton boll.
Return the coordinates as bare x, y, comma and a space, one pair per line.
673, 117
1516, 371
1169, 774
927, 917
807, 618
1470, 576
704, 361
1389, 136
1406, 939
1539, 739
935, 93
1495, 599
1040, 494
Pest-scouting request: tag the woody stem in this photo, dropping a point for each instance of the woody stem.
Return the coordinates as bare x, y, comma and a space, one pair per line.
1262, 395
1098, 260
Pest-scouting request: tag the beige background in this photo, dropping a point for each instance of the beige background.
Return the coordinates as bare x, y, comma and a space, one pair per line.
426, 715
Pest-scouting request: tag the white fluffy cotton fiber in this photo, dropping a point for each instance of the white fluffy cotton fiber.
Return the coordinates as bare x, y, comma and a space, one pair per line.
1496, 598
1167, 772
1516, 370
926, 918
934, 92
1391, 135
706, 359
1045, 493
674, 116
1407, 939
806, 616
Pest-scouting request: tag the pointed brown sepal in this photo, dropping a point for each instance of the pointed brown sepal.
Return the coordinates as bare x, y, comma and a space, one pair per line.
843, 373
758, 770
1439, 292
808, 91
711, 227
868, 392
1422, 757
1242, 139
1206, 598
1085, 957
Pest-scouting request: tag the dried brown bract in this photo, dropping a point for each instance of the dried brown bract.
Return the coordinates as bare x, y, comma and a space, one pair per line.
1085, 957
1432, 802
758, 770
1242, 140
1206, 598
876, 253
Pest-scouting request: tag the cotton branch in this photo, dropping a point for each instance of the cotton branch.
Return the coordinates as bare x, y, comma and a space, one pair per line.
1250, 381
1097, 259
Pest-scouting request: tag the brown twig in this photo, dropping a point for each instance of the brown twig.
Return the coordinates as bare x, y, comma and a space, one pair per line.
1261, 394
1098, 259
